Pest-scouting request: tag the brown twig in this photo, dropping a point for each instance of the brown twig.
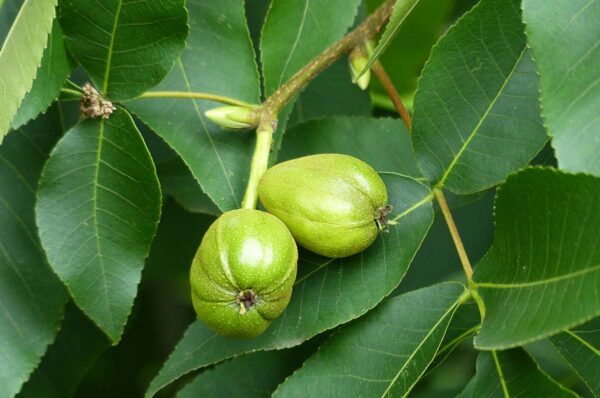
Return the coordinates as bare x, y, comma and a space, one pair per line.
391, 91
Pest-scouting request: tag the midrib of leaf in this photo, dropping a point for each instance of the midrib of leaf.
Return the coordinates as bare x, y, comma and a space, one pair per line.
500, 374
95, 215
583, 342
293, 49
320, 267
212, 144
420, 203
427, 336
110, 49
481, 120
540, 282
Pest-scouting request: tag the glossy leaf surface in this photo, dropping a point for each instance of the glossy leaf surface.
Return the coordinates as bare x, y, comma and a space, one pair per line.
477, 115
98, 208
542, 273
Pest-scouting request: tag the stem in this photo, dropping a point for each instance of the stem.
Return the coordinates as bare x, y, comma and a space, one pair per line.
71, 92
462, 254
358, 36
391, 91
269, 110
260, 161
193, 95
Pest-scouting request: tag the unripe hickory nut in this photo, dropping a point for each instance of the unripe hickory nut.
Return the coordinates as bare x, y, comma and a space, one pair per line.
243, 273
334, 205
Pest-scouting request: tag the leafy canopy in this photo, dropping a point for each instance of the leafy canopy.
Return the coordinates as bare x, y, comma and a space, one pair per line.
100, 217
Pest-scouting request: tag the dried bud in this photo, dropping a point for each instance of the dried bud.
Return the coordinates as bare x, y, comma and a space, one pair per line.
233, 117
93, 105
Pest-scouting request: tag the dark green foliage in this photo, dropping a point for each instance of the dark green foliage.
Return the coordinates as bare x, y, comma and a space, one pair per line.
100, 217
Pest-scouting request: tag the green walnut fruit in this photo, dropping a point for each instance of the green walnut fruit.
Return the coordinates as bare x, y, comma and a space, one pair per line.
334, 205
243, 273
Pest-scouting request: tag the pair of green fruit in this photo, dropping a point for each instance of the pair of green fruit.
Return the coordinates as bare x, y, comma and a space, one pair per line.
243, 273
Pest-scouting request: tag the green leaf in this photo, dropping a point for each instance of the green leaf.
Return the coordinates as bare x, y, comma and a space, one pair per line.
31, 296
77, 346
297, 31
177, 181
477, 115
382, 354
383, 143
219, 59
330, 94
252, 375
97, 212
542, 272
580, 347
52, 73
512, 373
21, 54
327, 292
126, 46
564, 38
402, 10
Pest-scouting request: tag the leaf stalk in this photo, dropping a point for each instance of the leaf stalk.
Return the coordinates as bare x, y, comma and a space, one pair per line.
391, 91
460, 248
195, 95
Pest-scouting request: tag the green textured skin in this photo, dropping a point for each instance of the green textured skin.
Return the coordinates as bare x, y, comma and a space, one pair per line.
327, 201
243, 249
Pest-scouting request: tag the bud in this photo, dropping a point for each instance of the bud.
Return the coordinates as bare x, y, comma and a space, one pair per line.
359, 58
233, 117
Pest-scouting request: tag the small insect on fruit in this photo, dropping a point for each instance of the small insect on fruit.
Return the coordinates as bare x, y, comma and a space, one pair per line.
243, 273
333, 204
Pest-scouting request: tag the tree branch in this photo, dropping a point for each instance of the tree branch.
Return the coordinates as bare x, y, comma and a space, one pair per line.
366, 30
